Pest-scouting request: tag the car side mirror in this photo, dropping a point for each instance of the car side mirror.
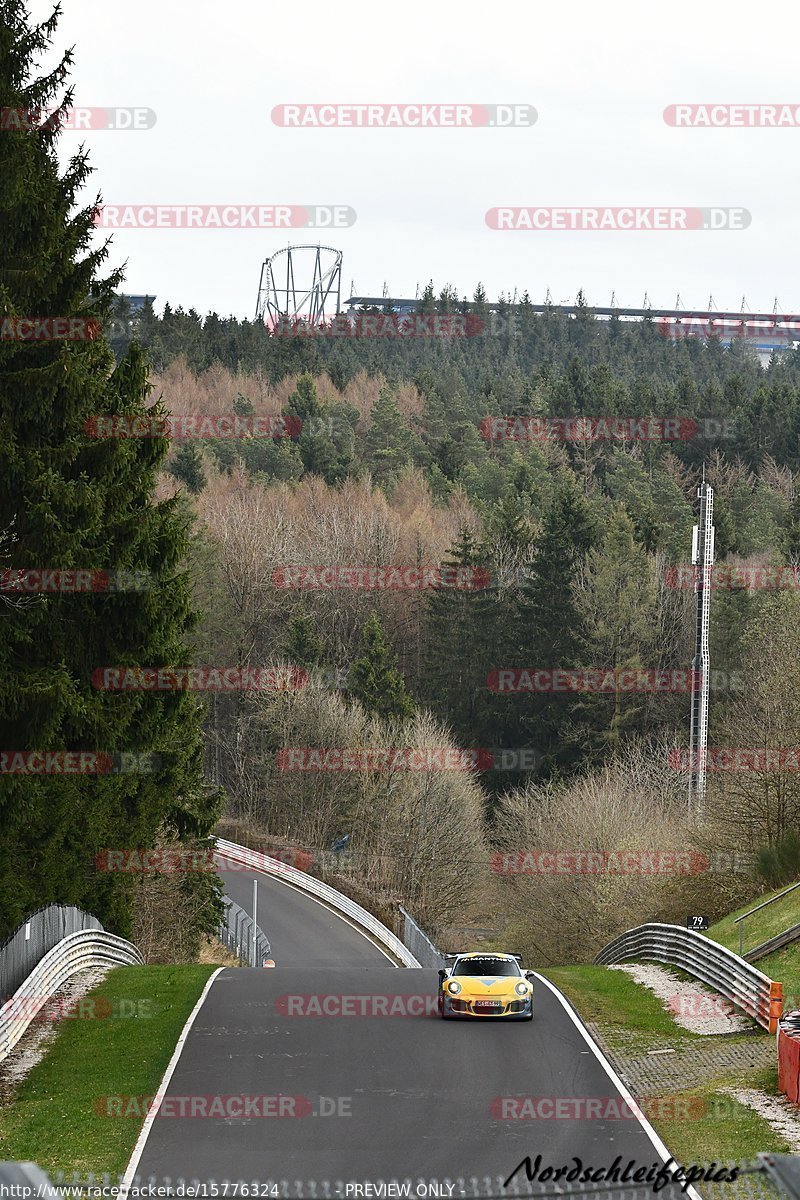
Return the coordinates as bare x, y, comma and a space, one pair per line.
442, 974
529, 974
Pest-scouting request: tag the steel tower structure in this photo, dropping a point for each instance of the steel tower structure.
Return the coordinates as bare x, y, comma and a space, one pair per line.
703, 560
301, 283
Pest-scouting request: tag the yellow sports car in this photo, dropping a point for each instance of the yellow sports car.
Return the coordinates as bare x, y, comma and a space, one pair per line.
485, 985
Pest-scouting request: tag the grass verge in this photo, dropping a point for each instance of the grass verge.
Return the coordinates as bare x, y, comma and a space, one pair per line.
783, 965
724, 1131
699, 1125
54, 1115
761, 926
618, 1005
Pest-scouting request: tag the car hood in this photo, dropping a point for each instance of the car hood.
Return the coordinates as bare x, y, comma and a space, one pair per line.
486, 985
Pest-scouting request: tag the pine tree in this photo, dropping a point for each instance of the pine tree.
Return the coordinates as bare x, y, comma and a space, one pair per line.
187, 467
455, 669
77, 501
389, 443
551, 631
327, 438
304, 647
374, 679
304, 401
618, 603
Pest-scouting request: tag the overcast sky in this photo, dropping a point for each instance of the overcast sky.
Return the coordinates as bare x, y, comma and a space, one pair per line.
599, 76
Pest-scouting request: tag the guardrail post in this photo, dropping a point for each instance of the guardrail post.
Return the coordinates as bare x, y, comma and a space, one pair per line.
775, 1005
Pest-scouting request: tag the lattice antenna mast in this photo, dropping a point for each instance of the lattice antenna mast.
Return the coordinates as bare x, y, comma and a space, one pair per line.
703, 561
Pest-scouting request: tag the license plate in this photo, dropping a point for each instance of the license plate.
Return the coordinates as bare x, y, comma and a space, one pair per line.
490, 1004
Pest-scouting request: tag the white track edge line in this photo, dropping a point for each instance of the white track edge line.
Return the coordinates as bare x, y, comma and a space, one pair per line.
152, 1112
328, 908
658, 1144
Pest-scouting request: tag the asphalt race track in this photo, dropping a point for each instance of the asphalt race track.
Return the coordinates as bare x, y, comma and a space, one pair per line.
376, 1097
300, 930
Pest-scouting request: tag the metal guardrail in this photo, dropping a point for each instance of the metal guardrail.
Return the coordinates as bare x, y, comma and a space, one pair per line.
744, 985
236, 933
28, 1180
774, 943
38, 933
417, 941
256, 861
764, 904
770, 1177
75, 953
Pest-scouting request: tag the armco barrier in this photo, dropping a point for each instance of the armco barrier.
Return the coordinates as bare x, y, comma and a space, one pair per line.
37, 934
236, 933
789, 1059
417, 941
744, 985
769, 1177
87, 948
256, 861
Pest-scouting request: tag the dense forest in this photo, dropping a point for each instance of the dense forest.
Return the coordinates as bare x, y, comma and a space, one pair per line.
456, 563
579, 543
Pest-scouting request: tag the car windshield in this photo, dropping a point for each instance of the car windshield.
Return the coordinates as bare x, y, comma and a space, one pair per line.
487, 966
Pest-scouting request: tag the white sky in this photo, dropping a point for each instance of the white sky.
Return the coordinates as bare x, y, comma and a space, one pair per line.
599, 75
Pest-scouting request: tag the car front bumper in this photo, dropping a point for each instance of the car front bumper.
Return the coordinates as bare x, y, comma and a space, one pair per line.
517, 1008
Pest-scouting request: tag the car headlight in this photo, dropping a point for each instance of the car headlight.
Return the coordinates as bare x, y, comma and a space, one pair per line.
453, 987
522, 989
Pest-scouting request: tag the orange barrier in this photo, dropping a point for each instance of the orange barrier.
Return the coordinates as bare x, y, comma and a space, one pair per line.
789, 1065
775, 1005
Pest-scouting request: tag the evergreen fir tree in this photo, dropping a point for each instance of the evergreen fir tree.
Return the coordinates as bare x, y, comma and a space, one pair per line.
374, 679
551, 629
78, 501
460, 631
304, 647
187, 467
618, 605
389, 443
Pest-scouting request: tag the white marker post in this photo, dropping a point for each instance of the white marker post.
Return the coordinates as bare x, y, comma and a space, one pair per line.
255, 920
